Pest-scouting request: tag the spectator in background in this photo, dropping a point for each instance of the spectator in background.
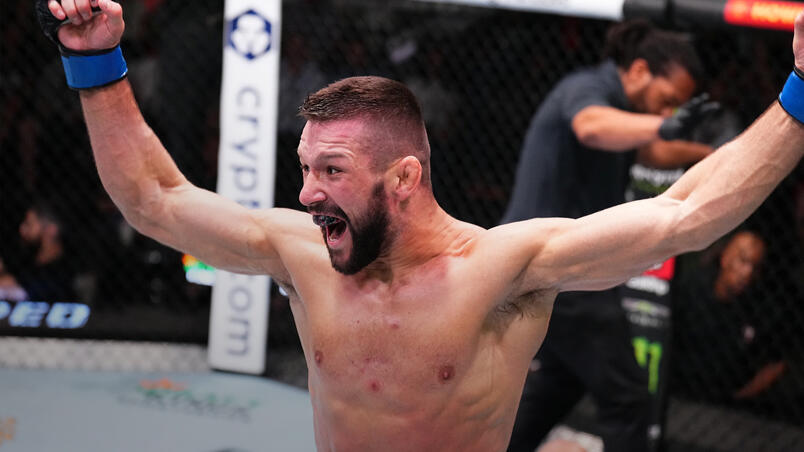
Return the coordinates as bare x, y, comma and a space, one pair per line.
9, 287
44, 272
721, 337
574, 162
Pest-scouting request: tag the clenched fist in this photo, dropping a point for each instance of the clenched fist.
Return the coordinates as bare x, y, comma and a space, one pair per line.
82, 25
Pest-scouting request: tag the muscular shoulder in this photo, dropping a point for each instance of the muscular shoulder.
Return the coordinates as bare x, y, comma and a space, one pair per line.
517, 251
603, 78
294, 238
285, 222
591, 86
501, 271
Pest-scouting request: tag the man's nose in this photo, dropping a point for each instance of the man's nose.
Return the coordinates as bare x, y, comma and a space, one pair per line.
311, 191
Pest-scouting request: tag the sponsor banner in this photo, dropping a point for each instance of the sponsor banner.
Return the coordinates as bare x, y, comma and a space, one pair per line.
246, 172
646, 301
71, 411
650, 284
646, 182
168, 395
776, 15
597, 9
656, 280
694, 14
655, 10
762, 14
42, 314
646, 314
666, 270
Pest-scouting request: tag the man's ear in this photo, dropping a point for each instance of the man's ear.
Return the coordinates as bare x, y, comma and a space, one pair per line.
406, 176
638, 74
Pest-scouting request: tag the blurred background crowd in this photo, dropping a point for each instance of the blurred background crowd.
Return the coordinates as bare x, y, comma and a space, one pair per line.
480, 74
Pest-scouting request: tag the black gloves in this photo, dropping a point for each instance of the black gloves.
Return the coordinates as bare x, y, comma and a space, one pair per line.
50, 25
687, 117
92, 68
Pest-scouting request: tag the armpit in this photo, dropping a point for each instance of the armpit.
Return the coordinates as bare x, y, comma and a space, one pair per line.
285, 286
536, 304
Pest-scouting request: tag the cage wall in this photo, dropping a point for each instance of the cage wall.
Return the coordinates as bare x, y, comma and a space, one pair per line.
480, 74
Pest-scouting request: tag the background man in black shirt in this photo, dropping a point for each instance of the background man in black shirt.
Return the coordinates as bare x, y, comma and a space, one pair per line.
575, 162
44, 272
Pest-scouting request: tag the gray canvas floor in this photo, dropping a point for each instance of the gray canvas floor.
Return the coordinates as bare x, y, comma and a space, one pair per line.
74, 410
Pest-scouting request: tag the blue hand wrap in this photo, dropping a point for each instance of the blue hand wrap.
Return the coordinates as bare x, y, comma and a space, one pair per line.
792, 96
95, 70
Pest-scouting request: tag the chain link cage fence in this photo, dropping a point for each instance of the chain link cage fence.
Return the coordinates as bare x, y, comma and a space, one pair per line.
480, 74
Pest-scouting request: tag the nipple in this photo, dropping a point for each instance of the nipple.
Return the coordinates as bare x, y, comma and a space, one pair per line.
446, 373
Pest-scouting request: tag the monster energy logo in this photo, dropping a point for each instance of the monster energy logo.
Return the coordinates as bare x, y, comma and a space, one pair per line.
649, 354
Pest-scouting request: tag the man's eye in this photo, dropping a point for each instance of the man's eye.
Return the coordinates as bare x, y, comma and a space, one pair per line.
332, 170
304, 168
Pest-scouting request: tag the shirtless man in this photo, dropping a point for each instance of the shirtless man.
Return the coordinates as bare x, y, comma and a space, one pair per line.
417, 328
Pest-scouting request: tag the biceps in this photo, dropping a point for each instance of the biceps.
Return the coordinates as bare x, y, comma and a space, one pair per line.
214, 229
606, 248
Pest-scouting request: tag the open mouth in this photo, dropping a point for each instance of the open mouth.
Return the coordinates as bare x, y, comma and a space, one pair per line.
333, 227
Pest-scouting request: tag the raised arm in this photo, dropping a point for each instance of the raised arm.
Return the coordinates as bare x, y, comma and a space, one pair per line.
158, 201
143, 180
716, 195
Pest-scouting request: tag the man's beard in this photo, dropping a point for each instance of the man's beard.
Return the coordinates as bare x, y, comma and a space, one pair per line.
29, 250
369, 235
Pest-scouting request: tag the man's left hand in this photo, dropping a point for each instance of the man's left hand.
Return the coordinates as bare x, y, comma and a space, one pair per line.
687, 117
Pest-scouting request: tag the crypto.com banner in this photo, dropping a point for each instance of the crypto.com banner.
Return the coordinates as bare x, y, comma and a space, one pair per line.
246, 171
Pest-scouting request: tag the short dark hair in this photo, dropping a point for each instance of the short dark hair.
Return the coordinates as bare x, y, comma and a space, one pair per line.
638, 38
46, 212
357, 96
387, 102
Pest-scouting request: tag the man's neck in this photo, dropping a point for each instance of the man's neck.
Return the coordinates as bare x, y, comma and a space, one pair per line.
48, 253
420, 235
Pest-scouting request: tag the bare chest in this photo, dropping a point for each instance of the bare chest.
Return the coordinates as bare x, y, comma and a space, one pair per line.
389, 344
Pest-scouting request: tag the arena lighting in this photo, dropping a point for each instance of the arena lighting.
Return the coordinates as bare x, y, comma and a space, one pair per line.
762, 14
595, 9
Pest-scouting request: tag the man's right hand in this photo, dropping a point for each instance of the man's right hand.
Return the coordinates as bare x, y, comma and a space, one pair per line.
85, 31
798, 42
687, 117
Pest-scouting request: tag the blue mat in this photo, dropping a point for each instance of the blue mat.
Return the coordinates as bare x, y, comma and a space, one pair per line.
45, 410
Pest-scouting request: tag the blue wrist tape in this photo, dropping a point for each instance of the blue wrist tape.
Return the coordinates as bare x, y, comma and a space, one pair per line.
92, 71
792, 97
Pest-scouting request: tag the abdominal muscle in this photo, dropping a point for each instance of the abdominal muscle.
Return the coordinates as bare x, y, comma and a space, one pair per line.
409, 404
423, 366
